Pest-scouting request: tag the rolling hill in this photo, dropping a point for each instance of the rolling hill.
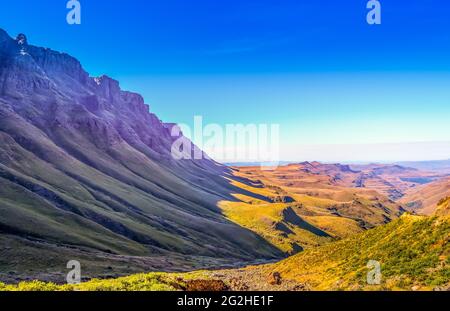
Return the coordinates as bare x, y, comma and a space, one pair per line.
424, 199
295, 207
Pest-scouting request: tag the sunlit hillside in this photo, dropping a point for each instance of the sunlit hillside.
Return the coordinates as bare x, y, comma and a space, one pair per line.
443, 208
413, 251
296, 210
424, 199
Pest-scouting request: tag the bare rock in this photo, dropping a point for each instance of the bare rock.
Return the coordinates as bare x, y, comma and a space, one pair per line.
275, 279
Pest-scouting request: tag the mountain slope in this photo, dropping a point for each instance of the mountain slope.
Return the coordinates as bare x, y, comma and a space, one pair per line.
424, 199
84, 164
412, 251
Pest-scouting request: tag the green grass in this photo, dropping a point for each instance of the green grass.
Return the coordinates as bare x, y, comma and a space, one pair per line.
412, 251
63, 190
138, 282
443, 207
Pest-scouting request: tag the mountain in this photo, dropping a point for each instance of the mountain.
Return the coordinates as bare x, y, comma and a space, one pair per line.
424, 199
438, 165
389, 179
86, 171
392, 179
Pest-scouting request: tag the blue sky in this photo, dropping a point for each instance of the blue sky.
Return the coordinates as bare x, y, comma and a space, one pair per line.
315, 67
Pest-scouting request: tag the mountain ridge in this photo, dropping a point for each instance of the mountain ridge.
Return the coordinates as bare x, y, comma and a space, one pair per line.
85, 164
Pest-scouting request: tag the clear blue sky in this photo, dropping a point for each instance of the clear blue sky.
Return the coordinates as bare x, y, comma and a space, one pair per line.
315, 67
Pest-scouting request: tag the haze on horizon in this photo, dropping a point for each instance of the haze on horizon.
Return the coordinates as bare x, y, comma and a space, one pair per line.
361, 154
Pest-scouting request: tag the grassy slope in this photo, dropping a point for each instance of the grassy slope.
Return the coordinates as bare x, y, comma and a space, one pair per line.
258, 213
314, 213
413, 250
424, 199
138, 282
140, 208
104, 203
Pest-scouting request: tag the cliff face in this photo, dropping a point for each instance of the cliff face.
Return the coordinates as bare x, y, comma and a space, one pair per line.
86, 164
43, 84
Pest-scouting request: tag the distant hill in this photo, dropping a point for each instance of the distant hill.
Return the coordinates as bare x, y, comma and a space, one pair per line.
391, 180
425, 198
442, 166
438, 165
304, 205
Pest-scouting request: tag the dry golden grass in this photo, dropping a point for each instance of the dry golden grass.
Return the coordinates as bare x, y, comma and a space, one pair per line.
412, 251
294, 210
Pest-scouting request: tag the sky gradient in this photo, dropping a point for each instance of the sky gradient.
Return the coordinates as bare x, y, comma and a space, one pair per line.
340, 89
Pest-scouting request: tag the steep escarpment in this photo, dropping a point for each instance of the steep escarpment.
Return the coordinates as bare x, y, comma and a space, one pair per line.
84, 164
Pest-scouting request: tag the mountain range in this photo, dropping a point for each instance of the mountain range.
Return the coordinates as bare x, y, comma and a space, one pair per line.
87, 173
